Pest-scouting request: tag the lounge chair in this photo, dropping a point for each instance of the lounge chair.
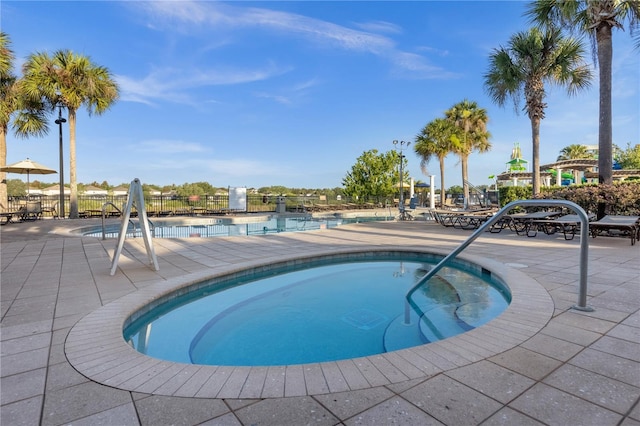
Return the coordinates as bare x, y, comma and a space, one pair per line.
521, 222
6, 215
569, 224
444, 217
461, 219
52, 210
32, 210
470, 221
617, 225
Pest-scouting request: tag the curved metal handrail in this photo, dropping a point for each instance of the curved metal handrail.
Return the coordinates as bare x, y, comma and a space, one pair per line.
103, 215
584, 245
131, 222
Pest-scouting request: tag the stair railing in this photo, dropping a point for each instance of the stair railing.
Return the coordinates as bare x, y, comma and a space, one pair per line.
584, 245
104, 214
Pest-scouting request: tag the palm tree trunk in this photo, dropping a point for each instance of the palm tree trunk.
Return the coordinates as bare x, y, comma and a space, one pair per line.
3, 162
605, 138
464, 160
535, 145
73, 182
442, 193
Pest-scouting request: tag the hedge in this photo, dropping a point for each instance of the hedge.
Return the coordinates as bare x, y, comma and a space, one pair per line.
621, 198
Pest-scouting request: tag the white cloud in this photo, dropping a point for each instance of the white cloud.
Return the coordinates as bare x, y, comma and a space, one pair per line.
292, 94
278, 98
379, 27
410, 65
170, 84
218, 17
434, 50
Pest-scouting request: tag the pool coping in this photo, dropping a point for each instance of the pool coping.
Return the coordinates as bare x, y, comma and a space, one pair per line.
96, 348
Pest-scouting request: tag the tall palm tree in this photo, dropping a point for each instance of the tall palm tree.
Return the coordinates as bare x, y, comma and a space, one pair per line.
597, 18
531, 59
70, 81
470, 123
435, 141
28, 116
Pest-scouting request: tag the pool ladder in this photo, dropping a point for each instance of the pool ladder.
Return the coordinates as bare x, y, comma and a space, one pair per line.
152, 227
584, 246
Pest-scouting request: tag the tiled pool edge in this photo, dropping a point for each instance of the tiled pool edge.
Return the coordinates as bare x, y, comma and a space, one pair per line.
95, 347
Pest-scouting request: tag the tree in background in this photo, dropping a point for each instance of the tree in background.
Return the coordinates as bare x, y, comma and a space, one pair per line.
29, 118
455, 190
628, 158
71, 81
575, 152
597, 18
470, 134
531, 59
16, 187
435, 141
373, 176
274, 190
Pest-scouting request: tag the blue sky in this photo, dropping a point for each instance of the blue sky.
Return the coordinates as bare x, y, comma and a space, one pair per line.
291, 93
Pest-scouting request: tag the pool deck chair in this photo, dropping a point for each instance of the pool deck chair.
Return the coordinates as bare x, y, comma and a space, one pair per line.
617, 225
470, 221
521, 222
6, 215
568, 224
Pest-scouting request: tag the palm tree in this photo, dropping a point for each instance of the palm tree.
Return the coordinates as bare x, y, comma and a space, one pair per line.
70, 81
575, 152
435, 141
597, 18
470, 134
28, 117
532, 59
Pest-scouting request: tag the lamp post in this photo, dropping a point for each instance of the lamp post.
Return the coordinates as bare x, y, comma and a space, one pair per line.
59, 122
401, 145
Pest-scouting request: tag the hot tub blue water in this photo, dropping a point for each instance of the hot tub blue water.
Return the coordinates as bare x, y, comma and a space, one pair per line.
326, 312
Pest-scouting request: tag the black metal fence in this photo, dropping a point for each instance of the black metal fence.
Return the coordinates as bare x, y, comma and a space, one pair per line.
168, 205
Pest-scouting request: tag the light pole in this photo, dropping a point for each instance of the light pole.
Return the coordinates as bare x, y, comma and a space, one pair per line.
59, 122
401, 145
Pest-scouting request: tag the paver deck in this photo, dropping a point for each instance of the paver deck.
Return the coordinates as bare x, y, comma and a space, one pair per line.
63, 360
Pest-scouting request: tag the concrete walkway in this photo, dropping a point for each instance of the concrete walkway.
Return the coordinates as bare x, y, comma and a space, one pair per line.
539, 363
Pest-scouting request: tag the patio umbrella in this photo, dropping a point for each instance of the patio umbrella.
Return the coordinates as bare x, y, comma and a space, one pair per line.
27, 167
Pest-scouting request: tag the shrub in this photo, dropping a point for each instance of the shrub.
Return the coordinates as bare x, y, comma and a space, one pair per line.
621, 198
513, 193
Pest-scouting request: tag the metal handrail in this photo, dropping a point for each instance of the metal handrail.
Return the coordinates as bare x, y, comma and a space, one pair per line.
133, 224
103, 215
584, 244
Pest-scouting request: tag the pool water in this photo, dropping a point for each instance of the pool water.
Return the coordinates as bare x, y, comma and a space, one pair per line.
324, 313
205, 228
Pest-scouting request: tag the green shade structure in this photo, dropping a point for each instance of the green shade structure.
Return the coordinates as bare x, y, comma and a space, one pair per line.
516, 164
564, 175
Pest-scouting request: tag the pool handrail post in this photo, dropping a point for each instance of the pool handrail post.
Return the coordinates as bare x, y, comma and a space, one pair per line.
104, 214
584, 245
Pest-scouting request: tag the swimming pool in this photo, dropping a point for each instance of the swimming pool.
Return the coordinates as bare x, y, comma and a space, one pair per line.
326, 309
201, 227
